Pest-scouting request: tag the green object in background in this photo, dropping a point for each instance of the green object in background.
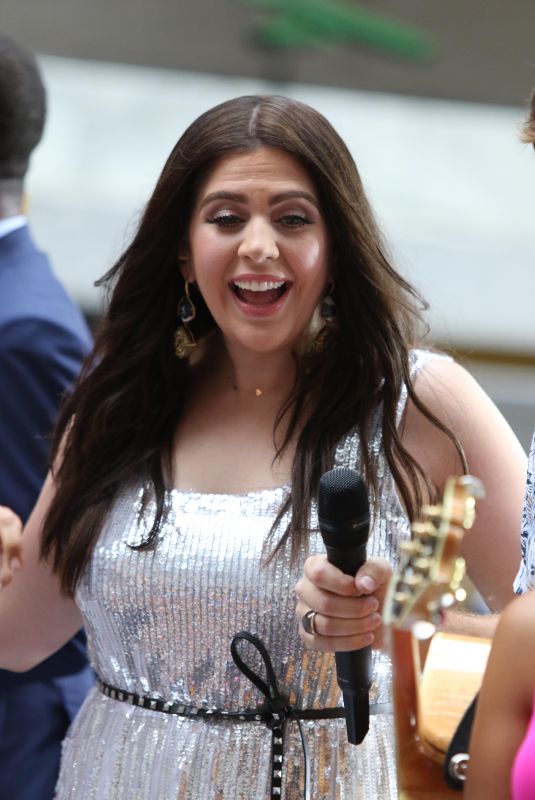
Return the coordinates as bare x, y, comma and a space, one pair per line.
312, 23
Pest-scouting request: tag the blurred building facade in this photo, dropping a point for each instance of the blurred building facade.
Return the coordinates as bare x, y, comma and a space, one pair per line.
434, 131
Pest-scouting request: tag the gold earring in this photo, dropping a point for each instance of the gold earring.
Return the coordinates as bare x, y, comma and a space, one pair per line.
184, 341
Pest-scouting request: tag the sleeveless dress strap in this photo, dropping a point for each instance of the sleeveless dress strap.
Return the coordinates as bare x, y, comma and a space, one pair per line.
418, 360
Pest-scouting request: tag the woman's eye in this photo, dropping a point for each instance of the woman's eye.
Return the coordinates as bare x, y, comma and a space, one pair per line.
224, 220
295, 220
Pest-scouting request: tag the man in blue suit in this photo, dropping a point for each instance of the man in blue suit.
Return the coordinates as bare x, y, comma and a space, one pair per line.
43, 340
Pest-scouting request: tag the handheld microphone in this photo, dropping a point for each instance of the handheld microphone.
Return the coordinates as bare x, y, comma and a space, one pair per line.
344, 520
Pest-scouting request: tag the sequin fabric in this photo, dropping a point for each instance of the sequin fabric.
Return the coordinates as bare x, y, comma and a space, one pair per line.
159, 623
525, 580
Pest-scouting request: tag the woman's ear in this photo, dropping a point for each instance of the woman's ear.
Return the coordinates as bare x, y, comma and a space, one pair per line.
184, 262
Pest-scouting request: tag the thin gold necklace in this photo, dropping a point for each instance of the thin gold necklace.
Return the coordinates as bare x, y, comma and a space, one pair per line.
258, 392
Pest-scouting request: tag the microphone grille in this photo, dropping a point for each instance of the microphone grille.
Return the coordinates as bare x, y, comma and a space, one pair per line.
342, 495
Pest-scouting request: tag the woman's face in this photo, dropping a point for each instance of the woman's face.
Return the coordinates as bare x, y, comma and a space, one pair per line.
258, 248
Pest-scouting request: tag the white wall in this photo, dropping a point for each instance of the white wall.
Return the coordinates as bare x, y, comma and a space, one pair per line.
452, 186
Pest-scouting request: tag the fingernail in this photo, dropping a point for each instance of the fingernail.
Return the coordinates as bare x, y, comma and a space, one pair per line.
367, 583
15, 564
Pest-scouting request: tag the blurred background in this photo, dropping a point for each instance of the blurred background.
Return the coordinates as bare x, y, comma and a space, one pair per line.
429, 96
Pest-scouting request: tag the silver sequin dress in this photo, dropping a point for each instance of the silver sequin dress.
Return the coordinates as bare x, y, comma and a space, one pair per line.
159, 623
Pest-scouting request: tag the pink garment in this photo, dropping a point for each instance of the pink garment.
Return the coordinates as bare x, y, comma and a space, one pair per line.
523, 774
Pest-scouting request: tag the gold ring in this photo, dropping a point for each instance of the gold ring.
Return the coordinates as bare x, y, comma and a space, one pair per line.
308, 622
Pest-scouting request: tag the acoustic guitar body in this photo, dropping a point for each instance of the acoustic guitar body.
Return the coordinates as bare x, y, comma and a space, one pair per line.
420, 776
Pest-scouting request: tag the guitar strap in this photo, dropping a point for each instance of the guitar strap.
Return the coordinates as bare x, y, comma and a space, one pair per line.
457, 757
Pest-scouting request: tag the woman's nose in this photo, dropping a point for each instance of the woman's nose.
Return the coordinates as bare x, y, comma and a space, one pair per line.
259, 242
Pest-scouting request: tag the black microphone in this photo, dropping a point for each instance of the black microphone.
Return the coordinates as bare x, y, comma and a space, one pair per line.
344, 520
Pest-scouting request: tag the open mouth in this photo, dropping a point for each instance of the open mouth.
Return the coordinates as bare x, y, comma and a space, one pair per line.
259, 293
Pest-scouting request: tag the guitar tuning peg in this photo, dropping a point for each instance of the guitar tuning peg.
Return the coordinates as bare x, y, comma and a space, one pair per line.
423, 629
435, 612
447, 600
423, 529
458, 572
469, 513
472, 486
432, 511
413, 580
422, 564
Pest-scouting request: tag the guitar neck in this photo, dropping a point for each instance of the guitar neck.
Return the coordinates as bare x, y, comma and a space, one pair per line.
429, 579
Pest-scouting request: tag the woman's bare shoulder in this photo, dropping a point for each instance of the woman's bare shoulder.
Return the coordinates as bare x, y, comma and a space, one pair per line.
493, 454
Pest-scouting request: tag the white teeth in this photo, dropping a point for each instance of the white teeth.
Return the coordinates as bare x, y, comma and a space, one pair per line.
259, 286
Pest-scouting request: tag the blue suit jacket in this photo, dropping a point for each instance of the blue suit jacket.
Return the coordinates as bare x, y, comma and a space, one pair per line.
43, 339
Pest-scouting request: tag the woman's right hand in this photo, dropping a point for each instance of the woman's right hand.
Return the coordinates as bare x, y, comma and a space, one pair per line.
10, 545
348, 609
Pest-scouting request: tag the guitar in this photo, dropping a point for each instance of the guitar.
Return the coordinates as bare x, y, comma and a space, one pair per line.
435, 675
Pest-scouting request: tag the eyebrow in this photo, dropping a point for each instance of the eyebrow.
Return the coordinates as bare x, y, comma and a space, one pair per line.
237, 197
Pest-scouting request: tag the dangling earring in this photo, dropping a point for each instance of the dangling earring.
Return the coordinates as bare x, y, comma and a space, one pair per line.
327, 314
184, 341
328, 307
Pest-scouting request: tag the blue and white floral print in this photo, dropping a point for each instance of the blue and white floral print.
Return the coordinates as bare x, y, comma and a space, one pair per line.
525, 579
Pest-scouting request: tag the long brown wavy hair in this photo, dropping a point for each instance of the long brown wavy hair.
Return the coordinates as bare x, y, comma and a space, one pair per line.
120, 419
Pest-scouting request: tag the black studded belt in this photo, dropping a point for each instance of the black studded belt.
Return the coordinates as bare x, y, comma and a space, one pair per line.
274, 712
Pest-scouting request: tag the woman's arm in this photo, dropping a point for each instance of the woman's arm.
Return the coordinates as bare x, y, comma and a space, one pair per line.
505, 703
36, 619
492, 547
347, 620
